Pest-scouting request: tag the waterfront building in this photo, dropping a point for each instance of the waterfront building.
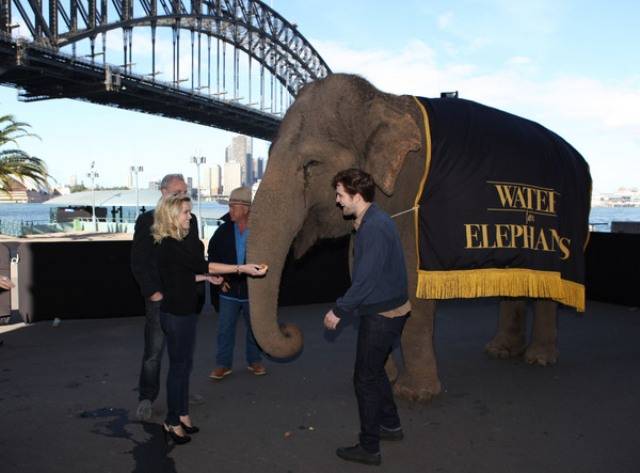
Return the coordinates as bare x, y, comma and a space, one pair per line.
214, 174
232, 177
621, 198
258, 169
24, 192
241, 151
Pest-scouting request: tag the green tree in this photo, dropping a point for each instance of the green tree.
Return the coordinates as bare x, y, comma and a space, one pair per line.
16, 163
78, 188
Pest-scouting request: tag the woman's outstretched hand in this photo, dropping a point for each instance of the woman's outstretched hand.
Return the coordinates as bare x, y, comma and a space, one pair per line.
255, 270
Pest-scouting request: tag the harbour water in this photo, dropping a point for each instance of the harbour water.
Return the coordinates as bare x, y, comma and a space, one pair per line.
14, 218
600, 217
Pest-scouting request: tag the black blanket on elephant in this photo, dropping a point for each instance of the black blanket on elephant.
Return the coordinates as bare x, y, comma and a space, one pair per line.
503, 207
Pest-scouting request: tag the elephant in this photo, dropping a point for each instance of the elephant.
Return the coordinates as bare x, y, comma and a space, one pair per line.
340, 122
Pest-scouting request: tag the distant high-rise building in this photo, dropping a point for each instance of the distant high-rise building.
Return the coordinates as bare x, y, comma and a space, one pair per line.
155, 185
232, 177
258, 169
73, 181
247, 171
240, 151
215, 179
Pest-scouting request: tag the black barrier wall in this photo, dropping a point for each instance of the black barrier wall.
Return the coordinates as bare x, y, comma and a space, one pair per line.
71, 280
88, 279
92, 279
321, 275
5, 271
613, 268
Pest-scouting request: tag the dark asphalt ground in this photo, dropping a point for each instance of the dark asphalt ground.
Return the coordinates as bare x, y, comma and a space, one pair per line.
67, 402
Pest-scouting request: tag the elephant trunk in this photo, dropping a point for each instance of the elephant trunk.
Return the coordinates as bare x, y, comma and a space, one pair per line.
277, 215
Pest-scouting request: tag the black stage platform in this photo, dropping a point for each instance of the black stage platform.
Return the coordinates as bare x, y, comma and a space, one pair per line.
68, 401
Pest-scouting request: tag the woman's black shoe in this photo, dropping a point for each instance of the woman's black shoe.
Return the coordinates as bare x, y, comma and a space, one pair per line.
170, 430
190, 430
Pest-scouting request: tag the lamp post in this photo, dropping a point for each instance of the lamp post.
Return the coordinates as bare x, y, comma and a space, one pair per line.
198, 160
136, 170
93, 174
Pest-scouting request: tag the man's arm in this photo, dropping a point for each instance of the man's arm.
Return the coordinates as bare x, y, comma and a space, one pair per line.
194, 229
144, 264
370, 250
213, 248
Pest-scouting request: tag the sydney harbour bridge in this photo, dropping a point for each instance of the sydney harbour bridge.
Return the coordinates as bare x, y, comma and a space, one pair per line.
230, 64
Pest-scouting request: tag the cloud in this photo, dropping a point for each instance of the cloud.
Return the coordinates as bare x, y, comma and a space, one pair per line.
444, 20
519, 61
599, 118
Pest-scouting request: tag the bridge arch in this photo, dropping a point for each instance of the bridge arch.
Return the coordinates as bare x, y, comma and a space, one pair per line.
50, 62
248, 25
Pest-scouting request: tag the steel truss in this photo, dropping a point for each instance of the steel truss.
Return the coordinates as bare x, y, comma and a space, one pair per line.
42, 70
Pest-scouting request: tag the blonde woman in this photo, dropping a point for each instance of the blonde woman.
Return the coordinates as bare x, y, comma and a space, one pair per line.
181, 265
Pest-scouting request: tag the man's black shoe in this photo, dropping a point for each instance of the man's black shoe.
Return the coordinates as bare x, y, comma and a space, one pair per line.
359, 454
392, 435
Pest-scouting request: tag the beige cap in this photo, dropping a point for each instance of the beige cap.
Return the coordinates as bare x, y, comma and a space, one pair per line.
241, 196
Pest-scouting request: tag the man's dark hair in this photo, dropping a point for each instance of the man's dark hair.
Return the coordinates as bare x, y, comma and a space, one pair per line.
355, 181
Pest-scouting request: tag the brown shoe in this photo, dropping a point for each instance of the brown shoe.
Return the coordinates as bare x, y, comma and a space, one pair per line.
220, 372
257, 368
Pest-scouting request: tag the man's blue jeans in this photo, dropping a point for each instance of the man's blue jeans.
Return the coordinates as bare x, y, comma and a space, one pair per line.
227, 318
149, 384
180, 331
377, 335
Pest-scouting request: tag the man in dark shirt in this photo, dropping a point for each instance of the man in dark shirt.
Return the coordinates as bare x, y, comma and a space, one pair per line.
378, 294
144, 265
228, 245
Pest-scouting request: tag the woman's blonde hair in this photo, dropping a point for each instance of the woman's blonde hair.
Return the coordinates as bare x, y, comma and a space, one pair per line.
165, 218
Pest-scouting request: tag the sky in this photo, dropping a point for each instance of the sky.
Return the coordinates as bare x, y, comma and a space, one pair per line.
573, 66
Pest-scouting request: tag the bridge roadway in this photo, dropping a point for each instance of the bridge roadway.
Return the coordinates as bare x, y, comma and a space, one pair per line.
68, 398
43, 73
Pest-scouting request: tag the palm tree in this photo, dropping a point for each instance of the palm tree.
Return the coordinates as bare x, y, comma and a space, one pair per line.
16, 163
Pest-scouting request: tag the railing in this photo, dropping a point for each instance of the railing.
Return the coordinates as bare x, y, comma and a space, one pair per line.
32, 227
19, 228
599, 226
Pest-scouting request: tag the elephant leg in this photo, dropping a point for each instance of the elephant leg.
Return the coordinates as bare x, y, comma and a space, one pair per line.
419, 379
509, 340
543, 349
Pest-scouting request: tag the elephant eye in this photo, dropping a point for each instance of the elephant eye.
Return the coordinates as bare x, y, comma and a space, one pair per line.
308, 166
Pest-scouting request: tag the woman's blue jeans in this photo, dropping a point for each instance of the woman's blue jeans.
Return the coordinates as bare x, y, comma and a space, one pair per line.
180, 332
227, 317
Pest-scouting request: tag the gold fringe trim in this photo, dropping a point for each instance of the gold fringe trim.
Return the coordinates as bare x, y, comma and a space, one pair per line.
510, 282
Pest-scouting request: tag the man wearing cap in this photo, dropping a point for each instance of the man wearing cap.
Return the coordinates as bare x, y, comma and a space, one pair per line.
228, 245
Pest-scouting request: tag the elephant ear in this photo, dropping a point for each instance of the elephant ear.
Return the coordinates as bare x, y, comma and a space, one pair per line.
392, 134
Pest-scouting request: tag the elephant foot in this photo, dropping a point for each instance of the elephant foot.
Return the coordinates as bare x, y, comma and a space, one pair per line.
503, 347
541, 354
409, 390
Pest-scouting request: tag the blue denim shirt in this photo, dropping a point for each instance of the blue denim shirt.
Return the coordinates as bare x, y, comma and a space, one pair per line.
379, 276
